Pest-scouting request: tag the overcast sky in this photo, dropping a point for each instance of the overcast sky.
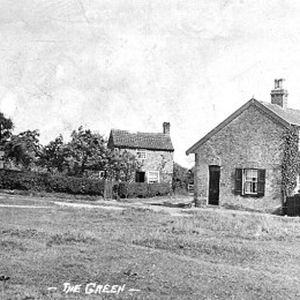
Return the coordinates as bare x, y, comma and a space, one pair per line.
134, 64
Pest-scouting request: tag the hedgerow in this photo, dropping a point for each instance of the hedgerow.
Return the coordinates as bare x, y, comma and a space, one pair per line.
143, 190
31, 181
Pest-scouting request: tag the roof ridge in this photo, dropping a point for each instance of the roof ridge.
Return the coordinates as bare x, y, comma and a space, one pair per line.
135, 132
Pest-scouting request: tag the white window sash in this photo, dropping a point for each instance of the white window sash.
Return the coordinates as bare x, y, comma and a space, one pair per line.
245, 181
149, 179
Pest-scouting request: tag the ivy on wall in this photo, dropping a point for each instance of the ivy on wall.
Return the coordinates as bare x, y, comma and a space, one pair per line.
290, 165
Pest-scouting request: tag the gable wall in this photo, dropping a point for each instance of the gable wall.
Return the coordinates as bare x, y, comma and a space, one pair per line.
252, 140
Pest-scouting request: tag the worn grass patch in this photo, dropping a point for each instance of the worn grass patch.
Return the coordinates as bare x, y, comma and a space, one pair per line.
69, 238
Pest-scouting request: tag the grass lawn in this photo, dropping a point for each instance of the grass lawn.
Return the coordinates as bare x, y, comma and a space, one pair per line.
211, 254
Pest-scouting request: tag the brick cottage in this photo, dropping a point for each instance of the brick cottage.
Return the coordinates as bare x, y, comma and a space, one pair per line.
154, 151
240, 161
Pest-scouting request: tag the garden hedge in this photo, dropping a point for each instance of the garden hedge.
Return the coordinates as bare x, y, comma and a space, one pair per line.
143, 190
30, 181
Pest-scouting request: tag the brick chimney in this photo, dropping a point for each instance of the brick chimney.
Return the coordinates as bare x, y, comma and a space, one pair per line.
279, 96
166, 127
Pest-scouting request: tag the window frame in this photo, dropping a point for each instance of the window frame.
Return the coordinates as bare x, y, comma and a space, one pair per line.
141, 151
244, 181
239, 182
148, 177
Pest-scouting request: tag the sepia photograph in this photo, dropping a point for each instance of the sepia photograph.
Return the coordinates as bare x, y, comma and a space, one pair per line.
149, 149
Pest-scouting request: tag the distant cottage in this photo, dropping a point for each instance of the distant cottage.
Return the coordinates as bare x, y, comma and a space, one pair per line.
153, 150
240, 161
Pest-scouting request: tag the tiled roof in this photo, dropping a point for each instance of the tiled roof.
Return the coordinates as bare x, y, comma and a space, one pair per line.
292, 116
140, 140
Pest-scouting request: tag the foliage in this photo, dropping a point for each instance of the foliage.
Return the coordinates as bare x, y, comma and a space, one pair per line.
6, 127
32, 181
85, 153
122, 165
53, 155
86, 150
290, 165
24, 149
142, 189
181, 178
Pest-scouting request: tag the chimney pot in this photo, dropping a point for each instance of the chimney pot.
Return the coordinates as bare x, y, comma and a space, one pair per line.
279, 96
166, 127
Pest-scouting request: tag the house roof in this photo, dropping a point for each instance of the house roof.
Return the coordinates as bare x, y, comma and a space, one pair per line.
285, 117
140, 140
292, 116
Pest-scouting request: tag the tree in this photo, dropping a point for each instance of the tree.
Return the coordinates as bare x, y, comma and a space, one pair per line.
53, 155
181, 177
24, 149
85, 151
122, 165
6, 127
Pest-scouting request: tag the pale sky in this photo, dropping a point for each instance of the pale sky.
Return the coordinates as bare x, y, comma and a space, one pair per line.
134, 64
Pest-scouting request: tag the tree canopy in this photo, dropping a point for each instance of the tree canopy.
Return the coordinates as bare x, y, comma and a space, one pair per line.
6, 127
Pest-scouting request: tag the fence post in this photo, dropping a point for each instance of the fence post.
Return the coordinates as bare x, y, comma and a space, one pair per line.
107, 189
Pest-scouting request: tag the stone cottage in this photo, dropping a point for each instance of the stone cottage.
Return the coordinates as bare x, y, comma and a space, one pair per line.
154, 151
240, 161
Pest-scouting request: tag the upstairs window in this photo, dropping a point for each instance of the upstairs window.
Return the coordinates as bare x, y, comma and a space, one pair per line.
153, 177
250, 182
141, 154
101, 174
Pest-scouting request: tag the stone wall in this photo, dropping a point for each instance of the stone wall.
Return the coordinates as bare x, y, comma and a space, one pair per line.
252, 140
161, 161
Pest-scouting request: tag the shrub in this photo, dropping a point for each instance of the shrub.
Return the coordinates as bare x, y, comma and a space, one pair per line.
29, 181
143, 190
158, 189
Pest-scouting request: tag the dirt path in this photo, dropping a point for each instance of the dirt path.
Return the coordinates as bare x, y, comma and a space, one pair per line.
23, 206
90, 206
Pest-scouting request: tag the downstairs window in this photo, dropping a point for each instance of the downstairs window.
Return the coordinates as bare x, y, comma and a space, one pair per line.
250, 182
153, 177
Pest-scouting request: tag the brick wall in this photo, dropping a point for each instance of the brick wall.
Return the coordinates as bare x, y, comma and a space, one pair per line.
252, 140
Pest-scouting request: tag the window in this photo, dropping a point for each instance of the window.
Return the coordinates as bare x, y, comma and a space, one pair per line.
299, 140
101, 174
250, 182
141, 154
153, 177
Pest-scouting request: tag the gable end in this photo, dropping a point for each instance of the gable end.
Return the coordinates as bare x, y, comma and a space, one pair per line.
273, 116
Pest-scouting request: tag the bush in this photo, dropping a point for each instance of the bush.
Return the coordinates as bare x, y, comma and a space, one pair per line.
158, 189
143, 190
29, 181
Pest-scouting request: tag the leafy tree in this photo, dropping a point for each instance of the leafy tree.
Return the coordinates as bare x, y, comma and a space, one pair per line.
6, 127
122, 165
24, 149
85, 151
53, 156
181, 177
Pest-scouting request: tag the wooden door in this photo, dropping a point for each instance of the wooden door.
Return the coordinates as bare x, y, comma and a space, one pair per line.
214, 185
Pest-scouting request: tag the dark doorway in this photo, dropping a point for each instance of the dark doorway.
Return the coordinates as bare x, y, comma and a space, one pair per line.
140, 176
214, 185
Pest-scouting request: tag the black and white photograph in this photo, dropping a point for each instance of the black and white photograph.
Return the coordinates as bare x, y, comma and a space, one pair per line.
149, 149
